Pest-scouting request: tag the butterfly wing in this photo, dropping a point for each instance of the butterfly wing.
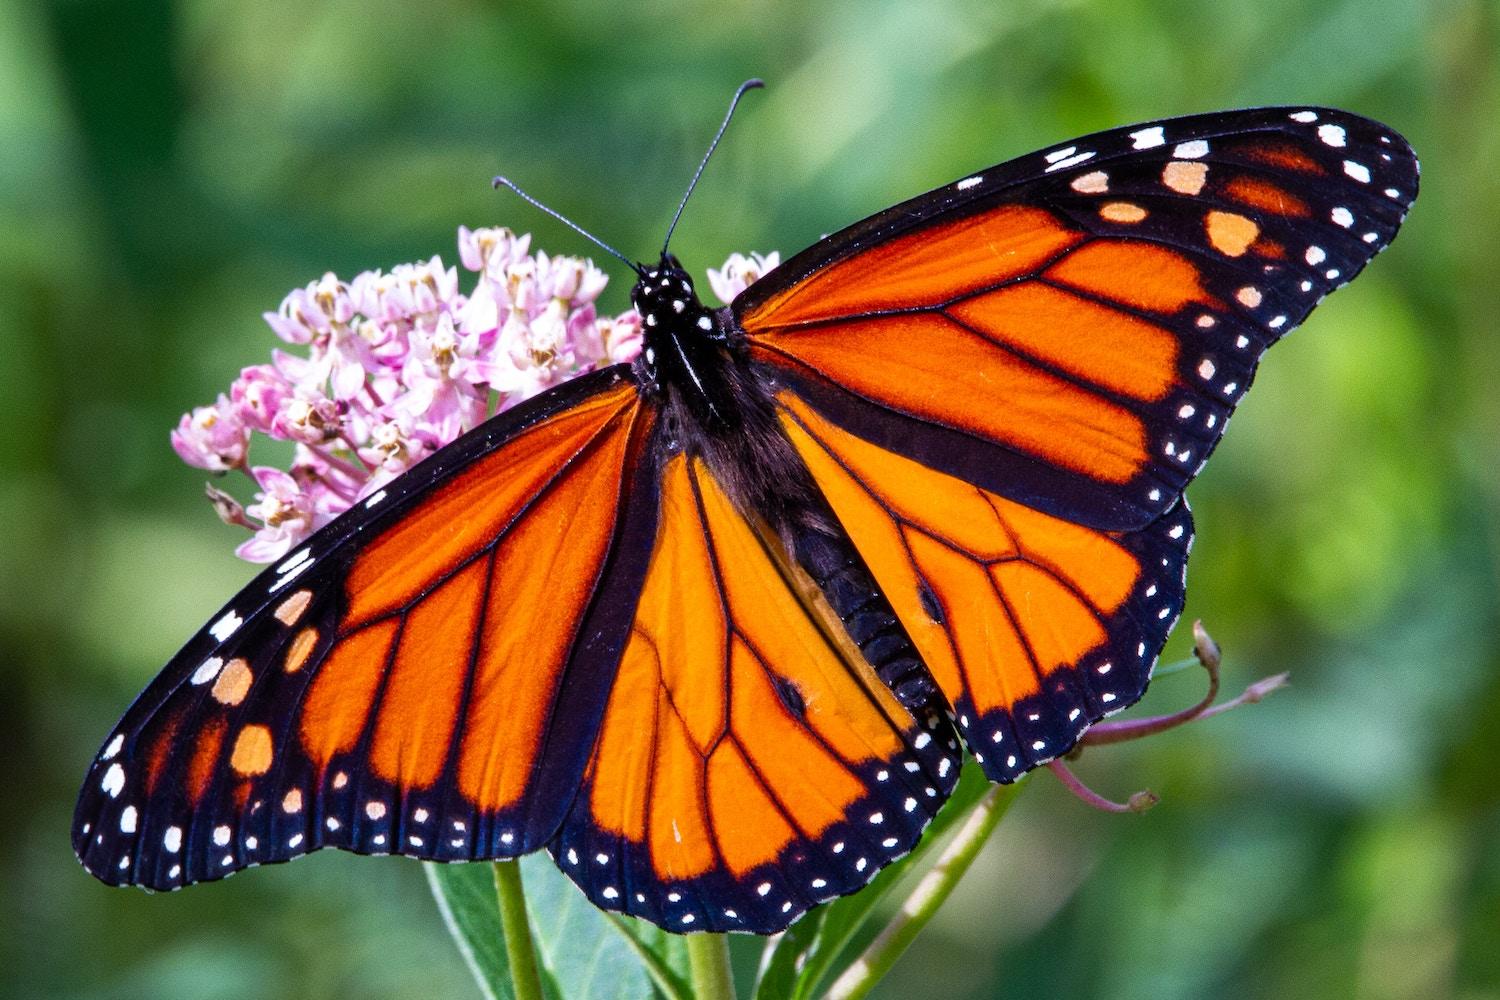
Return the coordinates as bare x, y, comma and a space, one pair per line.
750, 763
1004, 386
1033, 627
424, 677
1072, 330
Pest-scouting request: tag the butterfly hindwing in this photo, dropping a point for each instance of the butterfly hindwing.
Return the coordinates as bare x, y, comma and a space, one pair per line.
1073, 329
1033, 627
749, 765
396, 683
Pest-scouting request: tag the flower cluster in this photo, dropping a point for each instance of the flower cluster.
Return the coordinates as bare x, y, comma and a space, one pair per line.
397, 364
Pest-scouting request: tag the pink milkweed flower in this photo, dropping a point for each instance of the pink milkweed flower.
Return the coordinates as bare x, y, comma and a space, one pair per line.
285, 511
621, 336
740, 272
573, 281
212, 437
492, 247
438, 404
398, 364
392, 449
308, 419
258, 395
308, 312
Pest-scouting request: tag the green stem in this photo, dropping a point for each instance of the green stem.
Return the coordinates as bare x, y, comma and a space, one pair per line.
520, 951
708, 957
930, 894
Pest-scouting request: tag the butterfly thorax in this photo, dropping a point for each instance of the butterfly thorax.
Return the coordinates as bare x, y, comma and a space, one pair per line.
712, 405
683, 350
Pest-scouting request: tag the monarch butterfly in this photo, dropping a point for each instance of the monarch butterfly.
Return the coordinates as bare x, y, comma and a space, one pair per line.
715, 627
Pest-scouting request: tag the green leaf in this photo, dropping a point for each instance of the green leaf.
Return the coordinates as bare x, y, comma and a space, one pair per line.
779, 962
581, 949
843, 917
465, 896
664, 955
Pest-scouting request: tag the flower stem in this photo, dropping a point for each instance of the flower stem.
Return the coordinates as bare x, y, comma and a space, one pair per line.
931, 892
1139, 802
519, 949
708, 957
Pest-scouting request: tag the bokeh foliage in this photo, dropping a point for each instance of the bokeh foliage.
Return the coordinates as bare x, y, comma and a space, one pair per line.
169, 170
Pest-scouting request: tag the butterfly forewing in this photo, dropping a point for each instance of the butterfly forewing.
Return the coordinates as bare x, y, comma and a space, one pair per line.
1073, 329
394, 685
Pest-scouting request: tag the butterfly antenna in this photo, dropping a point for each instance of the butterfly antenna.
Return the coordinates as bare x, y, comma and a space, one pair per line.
748, 85
500, 182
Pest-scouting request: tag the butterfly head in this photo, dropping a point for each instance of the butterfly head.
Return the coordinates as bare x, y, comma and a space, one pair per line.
668, 305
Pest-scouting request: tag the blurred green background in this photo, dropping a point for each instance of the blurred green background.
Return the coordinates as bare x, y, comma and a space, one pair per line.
169, 170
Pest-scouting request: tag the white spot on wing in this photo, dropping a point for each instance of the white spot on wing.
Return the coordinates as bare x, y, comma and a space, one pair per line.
1358, 171
1148, 138
1332, 135
1071, 161
1342, 217
207, 670
224, 627
113, 780
969, 182
1194, 150
1305, 117
1094, 182
114, 746
127, 820
296, 559
1061, 154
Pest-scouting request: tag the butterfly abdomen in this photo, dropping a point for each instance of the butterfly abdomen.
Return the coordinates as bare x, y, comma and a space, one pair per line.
844, 580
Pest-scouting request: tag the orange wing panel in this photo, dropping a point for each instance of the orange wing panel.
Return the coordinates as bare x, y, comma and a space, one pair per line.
1135, 274
751, 827
544, 572
420, 707
461, 618
959, 379
341, 696
925, 268
1119, 352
